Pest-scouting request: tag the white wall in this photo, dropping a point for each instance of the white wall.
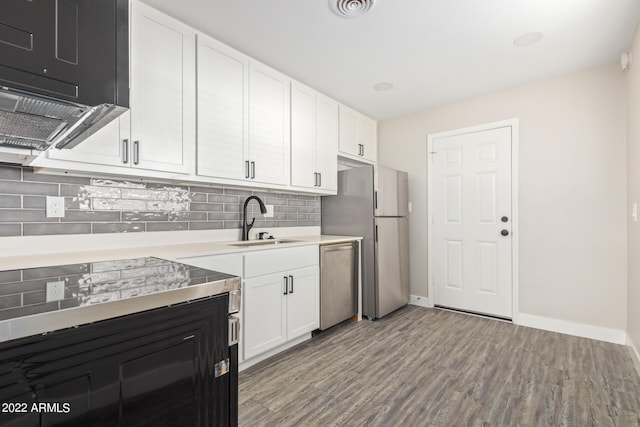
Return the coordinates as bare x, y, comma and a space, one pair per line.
572, 189
633, 194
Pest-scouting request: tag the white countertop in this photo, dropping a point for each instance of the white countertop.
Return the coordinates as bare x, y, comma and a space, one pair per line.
169, 251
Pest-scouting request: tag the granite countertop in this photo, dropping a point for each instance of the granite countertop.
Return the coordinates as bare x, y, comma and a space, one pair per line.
94, 291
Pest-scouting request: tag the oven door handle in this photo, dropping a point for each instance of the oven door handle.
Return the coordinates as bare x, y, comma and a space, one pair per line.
234, 330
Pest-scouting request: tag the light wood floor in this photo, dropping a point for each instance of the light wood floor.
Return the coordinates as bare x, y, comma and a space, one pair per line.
427, 367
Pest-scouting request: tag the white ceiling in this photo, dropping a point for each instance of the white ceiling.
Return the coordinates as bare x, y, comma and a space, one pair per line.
433, 51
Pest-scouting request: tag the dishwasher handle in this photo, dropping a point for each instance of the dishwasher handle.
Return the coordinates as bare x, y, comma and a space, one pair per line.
337, 247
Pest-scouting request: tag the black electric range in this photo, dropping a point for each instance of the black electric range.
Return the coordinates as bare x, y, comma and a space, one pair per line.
142, 341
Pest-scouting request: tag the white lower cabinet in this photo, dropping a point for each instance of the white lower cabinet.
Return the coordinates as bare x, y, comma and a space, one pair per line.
280, 294
265, 319
281, 300
279, 307
303, 304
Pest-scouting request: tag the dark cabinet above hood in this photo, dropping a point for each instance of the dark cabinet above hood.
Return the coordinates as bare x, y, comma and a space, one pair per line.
64, 70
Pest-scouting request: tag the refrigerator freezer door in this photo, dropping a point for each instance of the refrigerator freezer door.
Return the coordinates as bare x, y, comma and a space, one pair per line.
391, 196
392, 264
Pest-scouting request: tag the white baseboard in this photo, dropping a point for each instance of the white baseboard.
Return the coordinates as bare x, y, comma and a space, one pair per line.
615, 336
635, 355
418, 300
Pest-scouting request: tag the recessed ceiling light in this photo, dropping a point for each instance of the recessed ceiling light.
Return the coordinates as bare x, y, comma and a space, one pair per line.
351, 8
528, 39
383, 86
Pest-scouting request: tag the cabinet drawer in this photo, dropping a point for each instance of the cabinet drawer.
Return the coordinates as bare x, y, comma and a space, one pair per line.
276, 260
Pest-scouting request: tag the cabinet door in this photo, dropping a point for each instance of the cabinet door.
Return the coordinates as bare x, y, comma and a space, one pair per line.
358, 135
105, 147
269, 132
303, 136
368, 136
303, 303
327, 130
222, 110
349, 131
162, 85
264, 314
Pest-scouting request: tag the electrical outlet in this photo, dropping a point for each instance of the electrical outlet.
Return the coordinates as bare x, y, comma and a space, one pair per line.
55, 291
269, 213
55, 207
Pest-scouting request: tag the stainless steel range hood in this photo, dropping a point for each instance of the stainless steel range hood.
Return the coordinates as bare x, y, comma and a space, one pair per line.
63, 70
38, 123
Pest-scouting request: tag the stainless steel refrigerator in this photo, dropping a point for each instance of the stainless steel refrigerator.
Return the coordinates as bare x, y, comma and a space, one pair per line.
373, 203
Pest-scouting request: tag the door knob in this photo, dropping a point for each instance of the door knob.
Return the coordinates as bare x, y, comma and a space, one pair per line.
505, 232
504, 219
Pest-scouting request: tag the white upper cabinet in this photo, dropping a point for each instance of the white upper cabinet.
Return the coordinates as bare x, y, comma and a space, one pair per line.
158, 133
358, 135
162, 85
314, 139
269, 129
303, 138
202, 111
222, 110
102, 148
243, 117
327, 137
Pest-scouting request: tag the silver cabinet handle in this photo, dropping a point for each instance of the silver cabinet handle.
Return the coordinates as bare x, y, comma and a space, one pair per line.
319, 179
253, 170
362, 150
246, 169
136, 152
125, 151
291, 284
286, 285
315, 176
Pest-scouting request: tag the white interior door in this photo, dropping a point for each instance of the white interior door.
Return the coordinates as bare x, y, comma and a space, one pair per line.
471, 206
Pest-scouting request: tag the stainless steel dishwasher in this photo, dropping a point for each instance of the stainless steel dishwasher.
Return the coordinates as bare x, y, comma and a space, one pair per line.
338, 283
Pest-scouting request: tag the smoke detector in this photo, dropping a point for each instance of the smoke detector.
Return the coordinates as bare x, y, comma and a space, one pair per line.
351, 8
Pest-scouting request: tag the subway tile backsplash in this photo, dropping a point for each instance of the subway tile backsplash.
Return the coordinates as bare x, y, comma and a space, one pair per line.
97, 205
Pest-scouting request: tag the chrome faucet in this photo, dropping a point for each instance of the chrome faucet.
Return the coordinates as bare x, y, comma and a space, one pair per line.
245, 225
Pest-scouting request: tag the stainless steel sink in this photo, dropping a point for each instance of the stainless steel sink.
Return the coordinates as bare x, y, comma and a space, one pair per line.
267, 242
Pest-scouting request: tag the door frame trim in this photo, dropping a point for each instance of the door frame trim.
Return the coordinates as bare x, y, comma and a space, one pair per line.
514, 125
